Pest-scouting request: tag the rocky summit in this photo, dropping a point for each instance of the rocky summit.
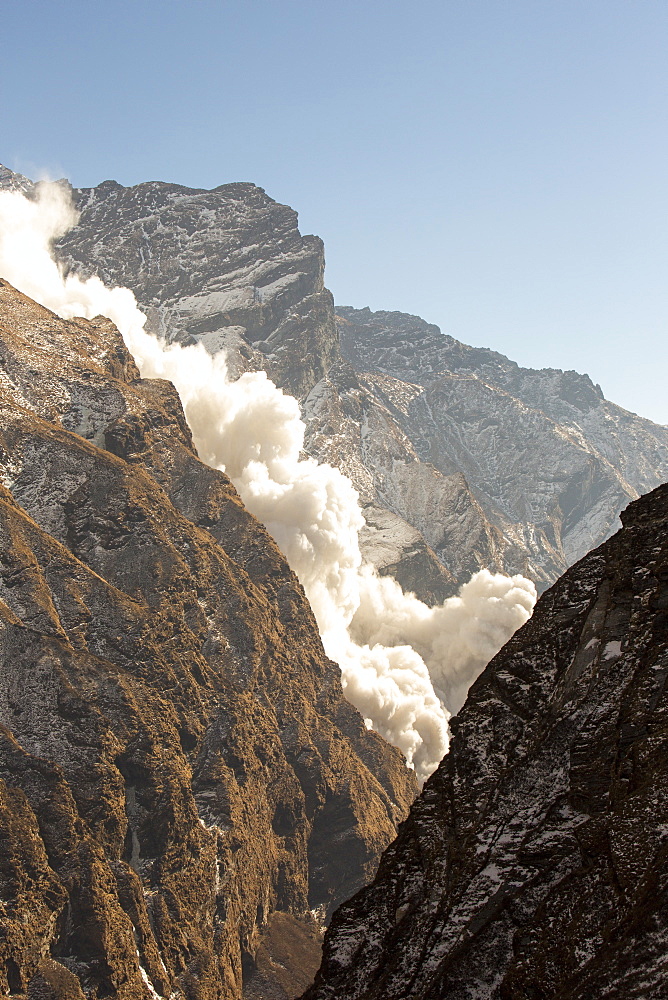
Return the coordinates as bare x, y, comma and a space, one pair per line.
184, 791
462, 459
535, 862
226, 267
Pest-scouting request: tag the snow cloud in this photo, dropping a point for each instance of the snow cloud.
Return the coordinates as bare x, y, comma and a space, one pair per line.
405, 666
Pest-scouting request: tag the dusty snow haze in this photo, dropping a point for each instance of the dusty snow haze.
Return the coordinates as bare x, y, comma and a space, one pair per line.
405, 666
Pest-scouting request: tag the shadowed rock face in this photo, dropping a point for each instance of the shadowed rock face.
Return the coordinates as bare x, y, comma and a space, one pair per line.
174, 744
535, 862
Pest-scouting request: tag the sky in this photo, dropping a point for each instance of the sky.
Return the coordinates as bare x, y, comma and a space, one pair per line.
498, 167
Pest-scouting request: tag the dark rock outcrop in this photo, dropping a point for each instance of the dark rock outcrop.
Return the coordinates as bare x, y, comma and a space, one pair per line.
535, 862
174, 744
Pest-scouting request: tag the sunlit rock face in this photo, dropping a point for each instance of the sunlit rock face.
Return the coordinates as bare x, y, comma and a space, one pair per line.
227, 267
495, 465
535, 862
463, 459
177, 762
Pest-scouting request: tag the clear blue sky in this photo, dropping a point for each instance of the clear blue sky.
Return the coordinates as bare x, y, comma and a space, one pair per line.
498, 167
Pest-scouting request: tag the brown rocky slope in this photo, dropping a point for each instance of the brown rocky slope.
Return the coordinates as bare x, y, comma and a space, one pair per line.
534, 866
177, 761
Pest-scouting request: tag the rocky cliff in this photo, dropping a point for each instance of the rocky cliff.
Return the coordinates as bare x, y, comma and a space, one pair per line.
535, 862
181, 780
494, 465
228, 267
463, 459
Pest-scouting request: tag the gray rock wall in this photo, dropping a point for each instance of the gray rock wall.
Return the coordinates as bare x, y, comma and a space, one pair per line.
226, 267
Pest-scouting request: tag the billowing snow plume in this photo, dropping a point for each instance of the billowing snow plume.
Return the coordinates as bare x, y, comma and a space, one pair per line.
405, 666
455, 639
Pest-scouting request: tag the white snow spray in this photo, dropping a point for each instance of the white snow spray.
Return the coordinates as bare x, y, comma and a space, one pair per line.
406, 667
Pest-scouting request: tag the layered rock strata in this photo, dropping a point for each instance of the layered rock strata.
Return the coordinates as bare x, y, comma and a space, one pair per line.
535, 862
177, 762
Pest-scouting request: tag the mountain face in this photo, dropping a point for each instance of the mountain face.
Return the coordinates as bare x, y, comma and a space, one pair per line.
227, 267
462, 459
11, 181
184, 792
535, 862
495, 465
406, 348
181, 779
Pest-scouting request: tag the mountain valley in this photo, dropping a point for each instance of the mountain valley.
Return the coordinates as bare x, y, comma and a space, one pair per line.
187, 798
